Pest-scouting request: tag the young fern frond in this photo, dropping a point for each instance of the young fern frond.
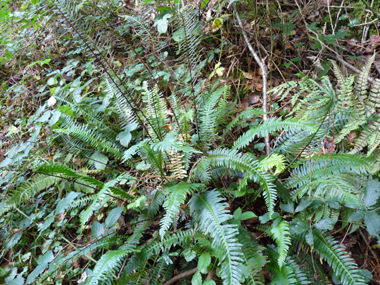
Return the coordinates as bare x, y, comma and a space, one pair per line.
207, 115
156, 112
290, 273
331, 251
361, 85
211, 215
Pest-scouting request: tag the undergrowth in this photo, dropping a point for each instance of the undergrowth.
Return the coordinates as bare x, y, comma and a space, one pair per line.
125, 172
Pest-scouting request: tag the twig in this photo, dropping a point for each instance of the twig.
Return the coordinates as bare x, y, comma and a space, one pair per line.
261, 63
181, 275
341, 60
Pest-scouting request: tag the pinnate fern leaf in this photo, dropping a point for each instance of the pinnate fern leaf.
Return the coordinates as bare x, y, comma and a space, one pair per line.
280, 233
107, 265
211, 214
176, 197
332, 252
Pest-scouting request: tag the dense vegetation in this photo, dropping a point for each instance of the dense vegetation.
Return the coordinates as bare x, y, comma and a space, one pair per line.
173, 142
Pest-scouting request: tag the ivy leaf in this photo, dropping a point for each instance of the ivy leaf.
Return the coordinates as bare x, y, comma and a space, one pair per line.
372, 221
97, 229
99, 160
204, 260
197, 279
65, 202
325, 224
55, 117
372, 193
124, 137
6, 162
113, 216
162, 24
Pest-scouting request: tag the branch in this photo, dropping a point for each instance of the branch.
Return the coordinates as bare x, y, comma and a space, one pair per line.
181, 275
261, 63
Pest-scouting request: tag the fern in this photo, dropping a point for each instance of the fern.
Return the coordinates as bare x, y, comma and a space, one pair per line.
247, 164
211, 215
280, 233
176, 197
268, 127
108, 264
332, 252
27, 190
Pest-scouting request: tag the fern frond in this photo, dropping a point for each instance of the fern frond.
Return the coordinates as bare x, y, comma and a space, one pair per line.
280, 233
254, 259
85, 215
211, 214
331, 251
91, 137
246, 164
361, 85
27, 190
208, 116
176, 197
269, 127
274, 160
108, 264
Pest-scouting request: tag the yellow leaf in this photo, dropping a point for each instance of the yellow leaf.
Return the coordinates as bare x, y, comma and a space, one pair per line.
217, 24
247, 75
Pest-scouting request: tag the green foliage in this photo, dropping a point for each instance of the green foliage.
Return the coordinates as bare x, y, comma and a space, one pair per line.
127, 174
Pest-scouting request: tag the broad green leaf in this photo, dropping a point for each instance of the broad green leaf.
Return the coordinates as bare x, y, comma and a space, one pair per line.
204, 260
299, 227
97, 229
8, 54
303, 205
372, 193
113, 216
99, 160
45, 117
55, 117
6, 162
65, 202
162, 24
247, 215
197, 279
372, 221
124, 137
42, 264
325, 224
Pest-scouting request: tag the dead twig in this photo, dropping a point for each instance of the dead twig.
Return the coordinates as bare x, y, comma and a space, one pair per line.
261, 63
181, 275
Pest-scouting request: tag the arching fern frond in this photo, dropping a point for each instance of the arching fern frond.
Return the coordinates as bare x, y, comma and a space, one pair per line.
211, 214
108, 264
331, 251
247, 164
176, 197
269, 127
280, 233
